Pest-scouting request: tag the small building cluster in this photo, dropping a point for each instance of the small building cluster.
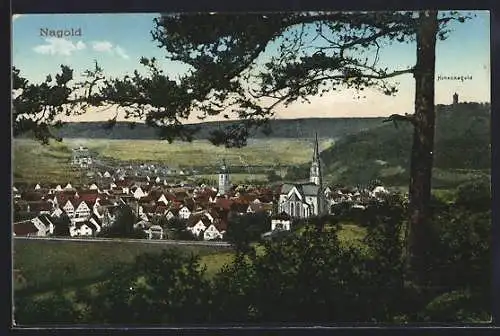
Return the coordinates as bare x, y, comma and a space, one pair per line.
81, 157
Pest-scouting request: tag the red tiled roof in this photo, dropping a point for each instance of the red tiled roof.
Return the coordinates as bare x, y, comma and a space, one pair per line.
161, 203
105, 201
155, 193
194, 219
224, 203
123, 183
25, 228
221, 224
160, 209
31, 196
40, 206
171, 197
239, 207
148, 208
89, 198
146, 199
67, 192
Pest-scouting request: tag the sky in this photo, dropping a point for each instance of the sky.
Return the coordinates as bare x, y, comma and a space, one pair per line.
118, 41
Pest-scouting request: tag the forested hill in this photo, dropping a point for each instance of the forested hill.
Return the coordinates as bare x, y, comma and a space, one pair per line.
462, 142
282, 128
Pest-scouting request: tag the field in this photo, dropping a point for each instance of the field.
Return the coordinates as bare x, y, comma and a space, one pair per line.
261, 152
34, 163
50, 265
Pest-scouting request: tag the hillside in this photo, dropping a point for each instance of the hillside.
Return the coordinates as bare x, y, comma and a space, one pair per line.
282, 128
462, 148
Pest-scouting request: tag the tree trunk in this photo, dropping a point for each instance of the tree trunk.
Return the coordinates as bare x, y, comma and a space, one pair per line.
423, 145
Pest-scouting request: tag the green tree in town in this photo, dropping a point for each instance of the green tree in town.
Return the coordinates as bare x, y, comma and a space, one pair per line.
61, 225
123, 226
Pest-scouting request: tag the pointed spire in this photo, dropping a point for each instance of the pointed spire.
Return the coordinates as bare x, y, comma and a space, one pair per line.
316, 149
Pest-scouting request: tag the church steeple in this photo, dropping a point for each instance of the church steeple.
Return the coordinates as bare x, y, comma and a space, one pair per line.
315, 173
223, 178
316, 149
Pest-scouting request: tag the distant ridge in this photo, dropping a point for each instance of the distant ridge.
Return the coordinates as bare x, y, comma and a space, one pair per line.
281, 128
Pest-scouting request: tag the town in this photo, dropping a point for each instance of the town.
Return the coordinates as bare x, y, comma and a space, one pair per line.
205, 211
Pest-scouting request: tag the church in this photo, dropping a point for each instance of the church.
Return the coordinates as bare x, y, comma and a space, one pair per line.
224, 182
302, 200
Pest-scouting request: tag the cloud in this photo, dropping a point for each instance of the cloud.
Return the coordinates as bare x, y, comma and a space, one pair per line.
106, 46
102, 46
121, 52
59, 46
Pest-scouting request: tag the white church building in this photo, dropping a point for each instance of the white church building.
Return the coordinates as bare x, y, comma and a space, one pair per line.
303, 200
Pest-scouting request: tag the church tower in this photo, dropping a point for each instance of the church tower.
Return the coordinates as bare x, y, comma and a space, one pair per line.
316, 177
315, 172
223, 179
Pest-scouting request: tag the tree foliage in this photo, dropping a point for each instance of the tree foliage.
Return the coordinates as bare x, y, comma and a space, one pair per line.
61, 225
244, 229
36, 106
123, 226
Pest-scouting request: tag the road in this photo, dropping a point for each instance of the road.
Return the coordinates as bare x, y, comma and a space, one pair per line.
141, 241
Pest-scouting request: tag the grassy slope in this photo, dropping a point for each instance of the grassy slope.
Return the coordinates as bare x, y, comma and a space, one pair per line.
33, 162
462, 150
49, 265
200, 152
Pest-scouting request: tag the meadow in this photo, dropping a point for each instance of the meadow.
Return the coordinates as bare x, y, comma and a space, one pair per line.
34, 162
259, 152
49, 265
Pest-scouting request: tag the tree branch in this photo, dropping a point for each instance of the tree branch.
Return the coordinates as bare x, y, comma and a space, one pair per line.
405, 118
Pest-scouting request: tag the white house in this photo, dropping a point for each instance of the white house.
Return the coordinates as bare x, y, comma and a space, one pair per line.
97, 223
81, 229
209, 216
377, 191
139, 193
93, 186
163, 199
38, 187
68, 186
44, 225
155, 232
185, 212
57, 212
197, 224
143, 225
172, 213
281, 222
106, 174
82, 211
69, 208
212, 233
